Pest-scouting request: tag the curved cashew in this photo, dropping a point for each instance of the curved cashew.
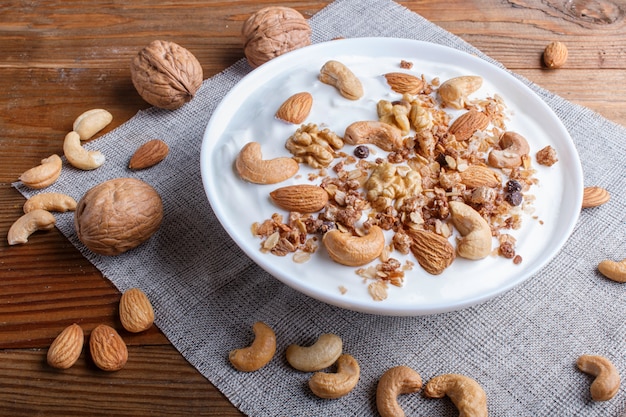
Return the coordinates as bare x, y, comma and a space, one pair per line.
514, 146
466, 394
50, 202
350, 250
43, 175
252, 167
338, 75
607, 381
395, 381
91, 122
476, 239
615, 271
335, 385
455, 91
259, 353
26, 225
387, 137
323, 353
78, 156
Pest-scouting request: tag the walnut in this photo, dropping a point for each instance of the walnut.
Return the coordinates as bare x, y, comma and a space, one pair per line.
118, 215
272, 31
165, 74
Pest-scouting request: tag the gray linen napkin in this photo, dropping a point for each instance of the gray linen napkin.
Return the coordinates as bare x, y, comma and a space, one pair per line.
521, 346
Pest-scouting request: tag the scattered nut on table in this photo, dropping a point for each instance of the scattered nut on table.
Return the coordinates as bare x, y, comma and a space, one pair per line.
135, 311
118, 215
27, 224
555, 55
615, 271
259, 353
337, 384
43, 175
394, 382
165, 74
57, 202
91, 122
273, 31
323, 353
66, 347
80, 157
107, 348
607, 379
149, 154
466, 393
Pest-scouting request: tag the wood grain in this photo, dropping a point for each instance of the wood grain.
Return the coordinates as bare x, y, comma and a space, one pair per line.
60, 58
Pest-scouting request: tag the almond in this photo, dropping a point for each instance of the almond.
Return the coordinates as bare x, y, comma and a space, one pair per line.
595, 196
296, 108
555, 55
468, 123
303, 198
107, 348
403, 83
433, 252
65, 349
149, 154
136, 313
480, 176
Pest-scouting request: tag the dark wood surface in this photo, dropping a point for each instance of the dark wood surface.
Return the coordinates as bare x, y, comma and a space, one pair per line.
60, 58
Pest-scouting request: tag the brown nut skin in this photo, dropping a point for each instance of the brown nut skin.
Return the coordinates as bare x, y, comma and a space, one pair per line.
466, 394
395, 381
165, 74
273, 31
118, 215
107, 348
66, 347
259, 353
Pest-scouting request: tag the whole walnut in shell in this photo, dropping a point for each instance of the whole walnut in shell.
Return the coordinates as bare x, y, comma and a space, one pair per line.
118, 215
272, 31
165, 74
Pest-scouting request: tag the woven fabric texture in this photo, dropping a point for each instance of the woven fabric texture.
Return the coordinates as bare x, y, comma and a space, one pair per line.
521, 346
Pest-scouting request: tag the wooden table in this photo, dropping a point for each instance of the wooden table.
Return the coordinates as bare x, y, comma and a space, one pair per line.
60, 58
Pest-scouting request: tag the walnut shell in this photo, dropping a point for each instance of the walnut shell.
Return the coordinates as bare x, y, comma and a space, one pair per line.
118, 215
272, 31
165, 74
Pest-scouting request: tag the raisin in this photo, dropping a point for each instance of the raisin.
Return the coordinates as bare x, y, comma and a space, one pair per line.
515, 198
513, 186
361, 151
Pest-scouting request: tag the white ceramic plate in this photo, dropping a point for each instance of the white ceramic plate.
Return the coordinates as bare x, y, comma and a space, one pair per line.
247, 114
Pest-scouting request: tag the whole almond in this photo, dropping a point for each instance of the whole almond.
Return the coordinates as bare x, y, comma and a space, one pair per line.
149, 154
480, 176
468, 123
66, 348
136, 313
108, 350
432, 251
555, 55
595, 196
296, 108
403, 83
303, 198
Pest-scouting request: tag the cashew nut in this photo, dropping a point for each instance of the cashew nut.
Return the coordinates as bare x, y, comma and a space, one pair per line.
476, 239
455, 91
607, 381
387, 137
615, 271
395, 381
259, 353
91, 122
50, 202
350, 250
513, 147
30, 222
252, 167
338, 75
43, 175
466, 394
335, 385
78, 156
323, 353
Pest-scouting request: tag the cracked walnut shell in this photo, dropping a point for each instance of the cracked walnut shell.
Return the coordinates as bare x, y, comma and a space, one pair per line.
165, 74
273, 31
